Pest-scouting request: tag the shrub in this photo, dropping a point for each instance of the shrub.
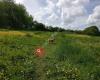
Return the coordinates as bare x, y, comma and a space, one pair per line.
62, 72
30, 75
2, 53
17, 58
3, 72
95, 74
3, 68
28, 35
2, 76
93, 30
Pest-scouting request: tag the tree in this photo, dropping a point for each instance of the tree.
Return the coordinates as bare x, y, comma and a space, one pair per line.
39, 26
14, 16
52, 29
92, 30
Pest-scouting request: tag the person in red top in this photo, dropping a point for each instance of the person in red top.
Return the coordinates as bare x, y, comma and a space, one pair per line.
39, 52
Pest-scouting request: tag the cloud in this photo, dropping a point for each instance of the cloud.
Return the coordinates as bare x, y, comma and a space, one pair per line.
69, 3
70, 14
19, 1
64, 13
94, 18
48, 14
61, 12
71, 9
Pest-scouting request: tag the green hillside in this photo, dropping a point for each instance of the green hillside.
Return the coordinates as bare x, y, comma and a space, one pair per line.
71, 57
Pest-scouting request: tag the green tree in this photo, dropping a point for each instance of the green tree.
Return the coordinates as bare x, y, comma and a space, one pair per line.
93, 30
14, 16
39, 26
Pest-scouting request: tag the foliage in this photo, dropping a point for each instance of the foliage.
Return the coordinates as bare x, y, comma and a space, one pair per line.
38, 26
52, 29
95, 74
29, 35
72, 57
61, 71
14, 16
93, 30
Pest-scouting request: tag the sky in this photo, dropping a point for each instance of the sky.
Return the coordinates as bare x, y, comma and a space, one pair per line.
68, 14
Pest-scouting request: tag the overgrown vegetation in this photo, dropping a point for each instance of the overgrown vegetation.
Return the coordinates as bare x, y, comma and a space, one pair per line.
72, 57
93, 30
15, 16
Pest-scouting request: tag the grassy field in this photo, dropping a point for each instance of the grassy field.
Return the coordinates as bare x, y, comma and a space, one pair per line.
71, 57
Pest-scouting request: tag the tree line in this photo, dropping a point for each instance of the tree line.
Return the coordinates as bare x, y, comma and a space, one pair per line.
15, 16
91, 30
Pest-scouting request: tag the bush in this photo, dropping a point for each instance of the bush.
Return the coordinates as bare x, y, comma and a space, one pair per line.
17, 58
30, 75
2, 76
28, 35
3, 67
62, 72
3, 72
95, 74
93, 30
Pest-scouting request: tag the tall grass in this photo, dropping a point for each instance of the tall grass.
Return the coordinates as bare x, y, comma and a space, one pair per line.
72, 57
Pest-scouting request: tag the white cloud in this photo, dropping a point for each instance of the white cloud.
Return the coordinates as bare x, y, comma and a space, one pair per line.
19, 1
80, 2
63, 12
68, 3
94, 18
48, 14
71, 9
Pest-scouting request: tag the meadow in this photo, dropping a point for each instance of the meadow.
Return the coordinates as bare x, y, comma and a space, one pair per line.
71, 57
